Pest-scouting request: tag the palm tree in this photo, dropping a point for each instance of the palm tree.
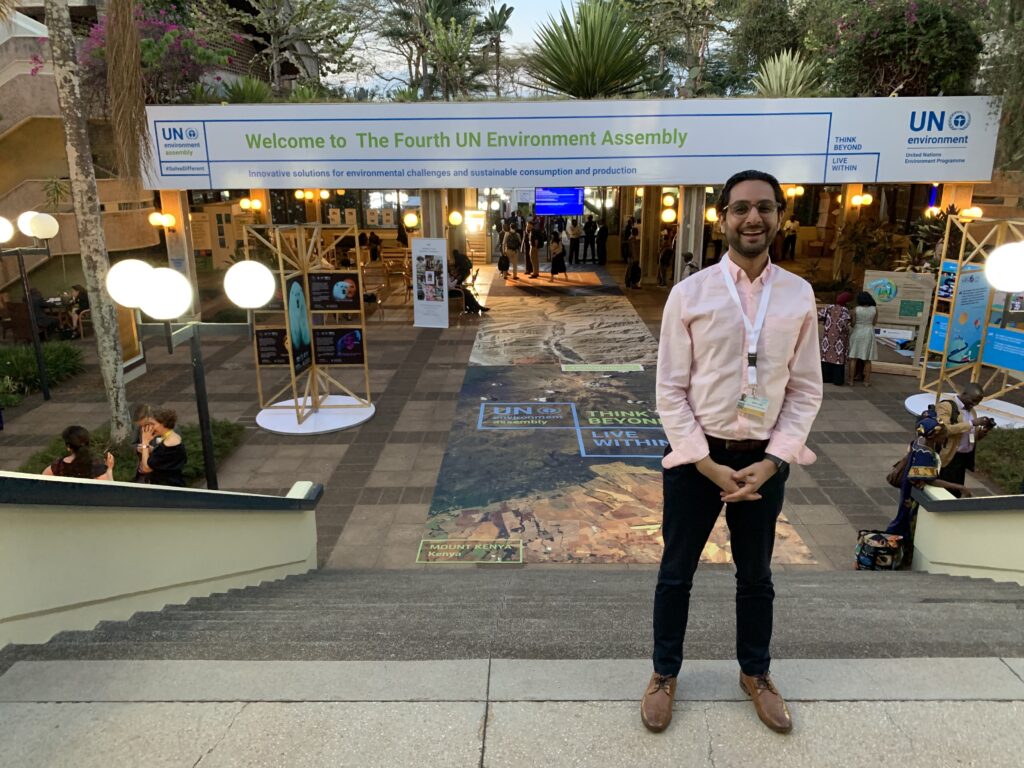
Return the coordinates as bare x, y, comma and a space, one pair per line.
601, 52
495, 24
84, 193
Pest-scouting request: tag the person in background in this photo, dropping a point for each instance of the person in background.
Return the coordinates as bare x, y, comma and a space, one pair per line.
401, 235
462, 267
862, 338
964, 429
140, 415
44, 322
633, 271
558, 259
534, 242
922, 469
689, 266
575, 232
789, 232
79, 304
373, 242
666, 261
162, 452
589, 239
627, 232
80, 462
835, 341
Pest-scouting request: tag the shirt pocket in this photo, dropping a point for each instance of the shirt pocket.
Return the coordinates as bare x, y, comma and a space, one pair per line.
781, 334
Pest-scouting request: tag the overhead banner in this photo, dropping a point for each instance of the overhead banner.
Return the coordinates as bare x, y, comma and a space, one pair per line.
569, 143
429, 282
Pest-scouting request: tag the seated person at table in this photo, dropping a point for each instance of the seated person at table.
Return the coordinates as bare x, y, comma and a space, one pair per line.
80, 462
162, 452
44, 322
79, 304
472, 306
462, 267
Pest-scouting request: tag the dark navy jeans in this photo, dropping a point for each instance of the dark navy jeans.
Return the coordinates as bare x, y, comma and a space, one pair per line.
692, 505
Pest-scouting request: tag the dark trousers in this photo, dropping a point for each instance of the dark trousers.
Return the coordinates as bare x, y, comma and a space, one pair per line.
789, 247
692, 505
574, 250
602, 251
589, 244
956, 470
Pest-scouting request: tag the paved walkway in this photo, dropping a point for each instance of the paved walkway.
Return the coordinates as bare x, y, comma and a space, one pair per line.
478, 712
380, 478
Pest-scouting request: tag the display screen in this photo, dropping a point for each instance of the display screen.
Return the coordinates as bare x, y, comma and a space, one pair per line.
558, 201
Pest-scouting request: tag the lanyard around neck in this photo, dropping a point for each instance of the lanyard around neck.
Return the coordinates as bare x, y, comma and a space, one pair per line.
753, 329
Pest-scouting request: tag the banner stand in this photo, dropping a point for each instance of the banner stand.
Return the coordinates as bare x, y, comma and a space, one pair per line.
316, 325
998, 362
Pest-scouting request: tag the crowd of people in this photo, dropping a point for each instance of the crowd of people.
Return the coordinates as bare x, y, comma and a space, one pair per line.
161, 452
569, 243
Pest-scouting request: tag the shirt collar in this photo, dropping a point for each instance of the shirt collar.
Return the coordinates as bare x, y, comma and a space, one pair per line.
737, 273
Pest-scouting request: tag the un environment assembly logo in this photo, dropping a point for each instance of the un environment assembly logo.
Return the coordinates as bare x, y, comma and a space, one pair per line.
959, 121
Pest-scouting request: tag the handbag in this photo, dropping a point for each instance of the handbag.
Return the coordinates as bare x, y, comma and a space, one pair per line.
878, 551
899, 469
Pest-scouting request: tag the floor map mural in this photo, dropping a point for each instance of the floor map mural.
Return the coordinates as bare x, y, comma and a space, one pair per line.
558, 467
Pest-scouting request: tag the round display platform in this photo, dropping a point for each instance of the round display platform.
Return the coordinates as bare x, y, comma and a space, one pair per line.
281, 418
1005, 414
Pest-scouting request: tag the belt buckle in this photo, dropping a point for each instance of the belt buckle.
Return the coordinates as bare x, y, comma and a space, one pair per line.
734, 445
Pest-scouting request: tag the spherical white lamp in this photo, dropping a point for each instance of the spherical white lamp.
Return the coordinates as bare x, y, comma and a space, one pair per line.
23, 222
455, 218
249, 284
1004, 268
128, 281
167, 294
668, 215
43, 226
6, 230
411, 220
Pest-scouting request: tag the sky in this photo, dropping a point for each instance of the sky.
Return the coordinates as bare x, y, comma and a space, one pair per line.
528, 14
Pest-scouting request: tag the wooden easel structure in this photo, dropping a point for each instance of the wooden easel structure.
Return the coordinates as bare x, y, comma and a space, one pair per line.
298, 251
978, 238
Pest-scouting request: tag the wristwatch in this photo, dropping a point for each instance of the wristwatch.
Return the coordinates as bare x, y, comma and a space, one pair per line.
779, 463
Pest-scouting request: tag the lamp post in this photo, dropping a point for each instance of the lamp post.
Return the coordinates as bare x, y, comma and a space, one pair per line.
165, 294
40, 226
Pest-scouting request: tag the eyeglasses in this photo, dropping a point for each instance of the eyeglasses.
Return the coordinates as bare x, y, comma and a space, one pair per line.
765, 208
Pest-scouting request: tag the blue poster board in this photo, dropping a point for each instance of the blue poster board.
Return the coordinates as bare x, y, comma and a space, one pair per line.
967, 313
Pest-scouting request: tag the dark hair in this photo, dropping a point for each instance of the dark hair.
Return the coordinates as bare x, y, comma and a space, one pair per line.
77, 439
865, 299
164, 416
79, 288
736, 178
688, 255
141, 411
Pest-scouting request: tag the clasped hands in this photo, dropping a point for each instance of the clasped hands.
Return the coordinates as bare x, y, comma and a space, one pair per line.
737, 484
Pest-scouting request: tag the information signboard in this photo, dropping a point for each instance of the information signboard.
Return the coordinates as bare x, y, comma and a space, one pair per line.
334, 291
430, 282
563, 143
338, 346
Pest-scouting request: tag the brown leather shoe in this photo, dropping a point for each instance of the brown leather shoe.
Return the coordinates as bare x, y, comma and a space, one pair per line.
656, 705
768, 702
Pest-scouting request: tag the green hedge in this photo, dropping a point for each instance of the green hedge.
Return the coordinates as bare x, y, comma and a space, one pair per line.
1001, 457
19, 374
227, 436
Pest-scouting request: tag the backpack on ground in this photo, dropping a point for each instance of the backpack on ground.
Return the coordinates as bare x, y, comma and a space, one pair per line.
878, 551
503, 263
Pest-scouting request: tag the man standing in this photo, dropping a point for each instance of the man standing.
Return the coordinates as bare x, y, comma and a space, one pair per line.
789, 230
739, 384
964, 429
589, 239
575, 233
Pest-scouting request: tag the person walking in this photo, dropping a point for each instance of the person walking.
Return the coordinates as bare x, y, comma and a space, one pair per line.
738, 387
862, 339
835, 343
575, 233
590, 239
789, 232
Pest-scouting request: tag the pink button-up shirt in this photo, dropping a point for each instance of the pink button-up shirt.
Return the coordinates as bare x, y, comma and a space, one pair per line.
702, 364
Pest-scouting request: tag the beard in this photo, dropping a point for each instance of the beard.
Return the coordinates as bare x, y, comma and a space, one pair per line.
750, 247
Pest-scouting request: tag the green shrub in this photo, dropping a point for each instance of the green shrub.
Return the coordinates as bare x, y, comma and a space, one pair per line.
247, 90
227, 436
1000, 456
19, 374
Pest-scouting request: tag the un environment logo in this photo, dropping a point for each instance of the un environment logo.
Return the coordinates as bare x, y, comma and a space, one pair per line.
192, 133
958, 121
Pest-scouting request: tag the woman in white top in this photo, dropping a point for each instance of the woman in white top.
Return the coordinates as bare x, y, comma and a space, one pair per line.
862, 337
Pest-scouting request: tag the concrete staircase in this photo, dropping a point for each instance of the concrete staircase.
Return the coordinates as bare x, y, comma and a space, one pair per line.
554, 613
